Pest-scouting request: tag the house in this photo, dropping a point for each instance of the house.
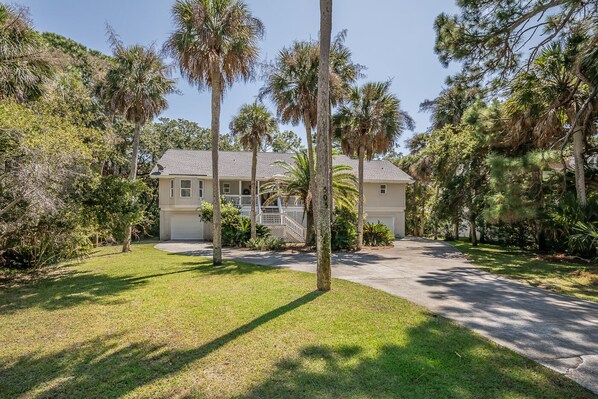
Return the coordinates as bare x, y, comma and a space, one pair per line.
185, 179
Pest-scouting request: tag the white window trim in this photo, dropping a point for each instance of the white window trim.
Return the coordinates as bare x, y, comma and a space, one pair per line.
187, 189
226, 188
383, 189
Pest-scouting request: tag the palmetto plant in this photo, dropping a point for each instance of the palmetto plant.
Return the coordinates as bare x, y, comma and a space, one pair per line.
295, 182
24, 68
215, 43
254, 125
585, 238
369, 123
135, 88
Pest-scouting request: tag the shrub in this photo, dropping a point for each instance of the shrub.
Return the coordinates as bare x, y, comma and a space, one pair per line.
236, 229
266, 243
344, 232
377, 235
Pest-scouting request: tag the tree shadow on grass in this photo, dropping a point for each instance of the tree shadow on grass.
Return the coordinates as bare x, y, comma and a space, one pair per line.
71, 289
438, 360
110, 367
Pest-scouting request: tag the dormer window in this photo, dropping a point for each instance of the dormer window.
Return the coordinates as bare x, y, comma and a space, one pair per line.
383, 189
185, 188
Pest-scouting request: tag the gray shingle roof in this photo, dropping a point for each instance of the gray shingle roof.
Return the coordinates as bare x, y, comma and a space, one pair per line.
236, 164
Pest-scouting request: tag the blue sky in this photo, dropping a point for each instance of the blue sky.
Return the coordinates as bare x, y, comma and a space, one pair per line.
392, 38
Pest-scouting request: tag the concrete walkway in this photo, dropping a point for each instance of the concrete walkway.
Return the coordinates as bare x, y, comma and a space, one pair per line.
554, 330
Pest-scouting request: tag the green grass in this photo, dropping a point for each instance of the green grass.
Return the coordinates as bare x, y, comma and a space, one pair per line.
154, 325
577, 280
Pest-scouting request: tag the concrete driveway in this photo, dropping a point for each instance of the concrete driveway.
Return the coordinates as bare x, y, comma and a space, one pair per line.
554, 330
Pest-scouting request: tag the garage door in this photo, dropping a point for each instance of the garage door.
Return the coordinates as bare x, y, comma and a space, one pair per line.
186, 227
389, 221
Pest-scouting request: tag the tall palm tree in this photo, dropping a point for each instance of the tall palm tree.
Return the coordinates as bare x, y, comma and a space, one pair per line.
369, 124
295, 183
135, 88
546, 107
254, 125
292, 84
215, 43
24, 68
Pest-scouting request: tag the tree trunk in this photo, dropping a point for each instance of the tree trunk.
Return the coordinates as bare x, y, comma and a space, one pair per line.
323, 190
473, 233
310, 234
456, 230
359, 244
216, 221
578, 155
132, 177
253, 192
330, 139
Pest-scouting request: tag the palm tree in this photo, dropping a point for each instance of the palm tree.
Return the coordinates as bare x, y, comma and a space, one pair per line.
295, 182
543, 108
254, 125
24, 68
292, 84
215, 43
368, 124
135, 88
323, 175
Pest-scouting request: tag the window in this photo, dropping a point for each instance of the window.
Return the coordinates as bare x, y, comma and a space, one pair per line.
185, 188
226, 188
382, 188
171, 188
200, 189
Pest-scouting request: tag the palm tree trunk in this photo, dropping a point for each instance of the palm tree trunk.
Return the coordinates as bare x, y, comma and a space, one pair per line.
132, 177
310, 235
323, 190
216, 221
330, 172
578, 155
253, 192
359, 244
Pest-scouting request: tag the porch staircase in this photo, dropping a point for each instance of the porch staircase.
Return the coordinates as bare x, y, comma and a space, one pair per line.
282, 226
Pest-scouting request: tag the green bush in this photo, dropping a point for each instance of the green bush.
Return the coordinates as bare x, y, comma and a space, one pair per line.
266, 243
236, 229
344, 232
377, 235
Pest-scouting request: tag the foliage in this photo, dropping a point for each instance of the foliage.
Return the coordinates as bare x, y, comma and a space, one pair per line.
344, 232
24, 64
268, 243
116, 203
254, 125
377, 235
285, 141
585, 238
236, 229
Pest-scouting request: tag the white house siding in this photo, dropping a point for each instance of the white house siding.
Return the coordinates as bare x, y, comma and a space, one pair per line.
388, 208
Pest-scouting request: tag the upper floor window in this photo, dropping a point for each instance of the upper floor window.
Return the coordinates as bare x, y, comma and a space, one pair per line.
185, 188
226, 188
383, 189
200, 189
171, 188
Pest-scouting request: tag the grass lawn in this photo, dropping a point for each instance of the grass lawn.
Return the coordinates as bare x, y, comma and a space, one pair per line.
578, 280
155, 325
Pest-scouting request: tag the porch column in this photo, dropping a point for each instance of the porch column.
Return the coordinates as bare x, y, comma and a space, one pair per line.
240, 193
259, 197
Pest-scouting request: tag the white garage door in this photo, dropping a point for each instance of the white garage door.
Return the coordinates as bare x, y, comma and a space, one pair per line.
186, 227
389, 221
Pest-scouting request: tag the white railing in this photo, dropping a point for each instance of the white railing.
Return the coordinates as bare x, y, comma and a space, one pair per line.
295, 227
282, 219
238, 200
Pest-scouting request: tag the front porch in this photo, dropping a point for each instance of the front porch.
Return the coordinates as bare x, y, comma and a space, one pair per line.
285, 220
